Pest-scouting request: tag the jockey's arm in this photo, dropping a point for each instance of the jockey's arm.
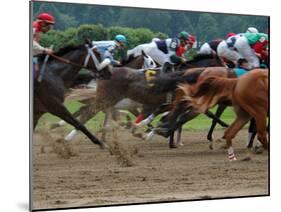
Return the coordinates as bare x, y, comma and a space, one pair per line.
176, 59
108, 54
38, 49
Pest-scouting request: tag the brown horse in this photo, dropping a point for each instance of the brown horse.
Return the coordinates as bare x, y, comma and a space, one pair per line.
249, 97
136, 85
180, 112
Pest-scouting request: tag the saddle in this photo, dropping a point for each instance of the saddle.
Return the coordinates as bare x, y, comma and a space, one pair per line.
162, 46
230, 44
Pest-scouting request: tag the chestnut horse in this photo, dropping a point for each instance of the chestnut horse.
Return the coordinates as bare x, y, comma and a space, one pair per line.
249, 97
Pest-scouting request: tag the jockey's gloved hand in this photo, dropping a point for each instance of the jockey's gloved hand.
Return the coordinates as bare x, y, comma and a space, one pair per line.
183, 60
48, 51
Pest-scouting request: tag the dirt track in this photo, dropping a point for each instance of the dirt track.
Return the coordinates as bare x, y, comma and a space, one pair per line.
141, 171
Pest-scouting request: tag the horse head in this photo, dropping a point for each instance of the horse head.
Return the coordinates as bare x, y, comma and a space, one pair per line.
93, 61
140, 61
148, 61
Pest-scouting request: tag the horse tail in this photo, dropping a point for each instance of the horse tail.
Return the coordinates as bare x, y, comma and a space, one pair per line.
214, 86
208, 91
169, 82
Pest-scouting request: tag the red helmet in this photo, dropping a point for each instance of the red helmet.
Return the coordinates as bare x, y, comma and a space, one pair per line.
46, 17
230, 34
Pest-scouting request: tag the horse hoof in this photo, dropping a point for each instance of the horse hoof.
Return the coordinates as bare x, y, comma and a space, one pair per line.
149, 136
211, 146
248, 158
103, 145
232, 159
258, 150
163, 132
209, 138
172, 146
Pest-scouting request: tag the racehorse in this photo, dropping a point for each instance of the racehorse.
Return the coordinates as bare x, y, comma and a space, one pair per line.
133, 84
59, 73
179, 114
249, 97
86, 96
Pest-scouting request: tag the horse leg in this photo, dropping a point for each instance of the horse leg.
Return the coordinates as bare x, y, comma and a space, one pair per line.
262, 129
184, 118
241, 119
62, 122
214, 117
179, 141
166, 126
219, 111
106, 123
159, 110
86, 113
171, 140
58, 109
252, 131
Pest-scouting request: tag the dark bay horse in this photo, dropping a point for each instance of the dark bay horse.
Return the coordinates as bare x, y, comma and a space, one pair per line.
60, 71
134, 84
86, 96
249, 97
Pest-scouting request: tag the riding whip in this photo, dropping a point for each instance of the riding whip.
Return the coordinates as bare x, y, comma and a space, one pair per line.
42, 70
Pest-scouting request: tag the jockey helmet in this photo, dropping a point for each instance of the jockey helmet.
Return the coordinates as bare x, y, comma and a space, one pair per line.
121, 39
230, 34
252, 30
46, 17
184, 35
188, 37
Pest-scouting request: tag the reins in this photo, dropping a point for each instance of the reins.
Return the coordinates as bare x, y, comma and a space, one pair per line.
67, 61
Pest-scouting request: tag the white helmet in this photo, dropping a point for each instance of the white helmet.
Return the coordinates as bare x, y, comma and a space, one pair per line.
252, 30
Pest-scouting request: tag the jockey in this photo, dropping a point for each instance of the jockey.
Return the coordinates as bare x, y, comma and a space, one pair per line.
42, 24
250, 46
210, 47
168, 51
106, 48
178, 46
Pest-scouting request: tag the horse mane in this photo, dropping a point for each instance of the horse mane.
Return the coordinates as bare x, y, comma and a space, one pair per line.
212, 85
202, 60
199, 57
208, 91
129, 59
168, 82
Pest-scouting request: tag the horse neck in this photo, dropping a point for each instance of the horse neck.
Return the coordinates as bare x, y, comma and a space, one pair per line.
137, 63
202, 63
68, 72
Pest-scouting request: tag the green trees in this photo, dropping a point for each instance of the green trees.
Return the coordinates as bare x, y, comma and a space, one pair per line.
118, 20
76, 36
207, 27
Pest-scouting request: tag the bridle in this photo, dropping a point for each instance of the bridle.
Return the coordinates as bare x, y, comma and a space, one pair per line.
90, 54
